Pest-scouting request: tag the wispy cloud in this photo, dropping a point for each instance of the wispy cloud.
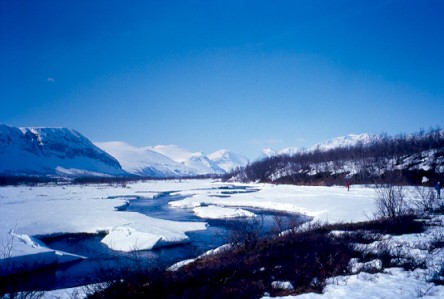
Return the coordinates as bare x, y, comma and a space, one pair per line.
50, 80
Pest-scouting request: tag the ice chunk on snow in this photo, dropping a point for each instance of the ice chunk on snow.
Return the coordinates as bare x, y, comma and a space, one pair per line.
21, 253
128, 239
216, 212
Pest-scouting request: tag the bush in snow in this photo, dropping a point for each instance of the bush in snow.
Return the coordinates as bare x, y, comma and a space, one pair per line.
391, 202
427, 200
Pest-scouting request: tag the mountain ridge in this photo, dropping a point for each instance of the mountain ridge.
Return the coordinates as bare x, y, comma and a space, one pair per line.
63, 152
53, 152
171, 160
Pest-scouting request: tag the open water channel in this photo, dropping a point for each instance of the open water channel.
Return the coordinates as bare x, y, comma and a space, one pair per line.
104, 264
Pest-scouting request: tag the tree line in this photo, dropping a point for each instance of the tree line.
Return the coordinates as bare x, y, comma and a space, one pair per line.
402, 159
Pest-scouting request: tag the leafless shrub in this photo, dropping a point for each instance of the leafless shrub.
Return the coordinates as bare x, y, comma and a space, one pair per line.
285, 223
437, 276
427, 200
391, 202
248, 234
437, 241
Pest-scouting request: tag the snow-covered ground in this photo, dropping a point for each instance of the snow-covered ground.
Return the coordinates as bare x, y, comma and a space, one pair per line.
60, 209
392, 282
332, 204
54, 209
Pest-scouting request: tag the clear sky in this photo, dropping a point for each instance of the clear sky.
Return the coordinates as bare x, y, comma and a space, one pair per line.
205, 75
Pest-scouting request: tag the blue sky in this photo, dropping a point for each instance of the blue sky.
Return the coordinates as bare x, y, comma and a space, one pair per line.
205, 75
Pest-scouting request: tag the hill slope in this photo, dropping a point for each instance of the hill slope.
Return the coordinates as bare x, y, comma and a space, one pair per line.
52, 152
412, 159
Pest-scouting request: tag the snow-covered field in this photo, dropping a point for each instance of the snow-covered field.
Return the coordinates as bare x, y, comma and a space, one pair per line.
54, 209
332, 204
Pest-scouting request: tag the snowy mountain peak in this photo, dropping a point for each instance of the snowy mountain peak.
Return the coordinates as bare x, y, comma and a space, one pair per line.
144, 161
162, 160
345, 141
52, 151
268, 152
197, 162
338, 142
228, 160
289, 151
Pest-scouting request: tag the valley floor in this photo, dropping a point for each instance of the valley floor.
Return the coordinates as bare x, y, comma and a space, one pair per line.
54, 209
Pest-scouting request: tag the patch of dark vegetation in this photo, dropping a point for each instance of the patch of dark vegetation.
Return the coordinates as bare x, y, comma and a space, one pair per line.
303, 257
405, 224
395, 160
26, 180
437, 242
438, 276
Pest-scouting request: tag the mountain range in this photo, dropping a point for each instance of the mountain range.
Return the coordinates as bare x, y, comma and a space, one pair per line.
171, 160
67, 153
63, 152
338, 142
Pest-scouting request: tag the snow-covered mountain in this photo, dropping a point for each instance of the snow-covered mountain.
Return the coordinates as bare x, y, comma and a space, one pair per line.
228, 160
288, 151
167, 160
144, 161
195, 161
53, 152
268, 152
345, 141
338, 142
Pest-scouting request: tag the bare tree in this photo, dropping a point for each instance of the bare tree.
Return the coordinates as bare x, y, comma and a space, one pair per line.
390, 201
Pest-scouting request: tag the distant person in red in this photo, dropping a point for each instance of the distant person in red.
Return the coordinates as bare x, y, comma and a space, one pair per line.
347, 184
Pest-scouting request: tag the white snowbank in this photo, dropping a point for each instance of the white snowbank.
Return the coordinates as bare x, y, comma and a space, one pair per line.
73, 293
180, 264
392, 283
20, 252
215, 212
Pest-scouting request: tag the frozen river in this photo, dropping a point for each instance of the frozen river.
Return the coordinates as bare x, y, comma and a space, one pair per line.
104, 263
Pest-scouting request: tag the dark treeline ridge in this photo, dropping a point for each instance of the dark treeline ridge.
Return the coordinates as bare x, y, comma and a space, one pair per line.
402, 159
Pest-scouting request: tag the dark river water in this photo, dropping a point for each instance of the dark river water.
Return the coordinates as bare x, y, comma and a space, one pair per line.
104, 264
